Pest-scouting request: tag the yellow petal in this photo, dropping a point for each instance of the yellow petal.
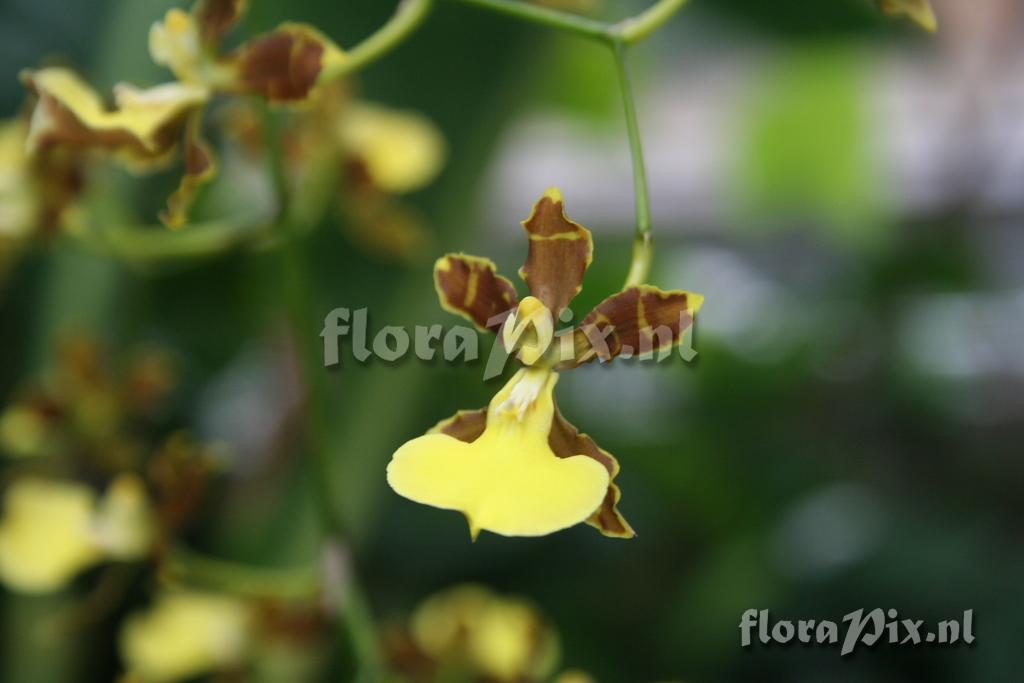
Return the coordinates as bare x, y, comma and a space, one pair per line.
502, 638
507, 481
144, 125
124, 523
175, 43
19, 201
185, 634
402, 151
45, 535
919, 11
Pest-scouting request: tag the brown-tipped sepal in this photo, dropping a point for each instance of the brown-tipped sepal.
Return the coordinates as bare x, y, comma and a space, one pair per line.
560, 253
471, 287
286, 64
200, 169
638, 321
566, 441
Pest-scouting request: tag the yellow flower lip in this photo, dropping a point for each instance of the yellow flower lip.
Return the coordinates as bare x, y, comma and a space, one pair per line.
507, 481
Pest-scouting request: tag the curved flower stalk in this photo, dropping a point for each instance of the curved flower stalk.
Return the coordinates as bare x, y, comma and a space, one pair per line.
918, 11
53, 530
518, 467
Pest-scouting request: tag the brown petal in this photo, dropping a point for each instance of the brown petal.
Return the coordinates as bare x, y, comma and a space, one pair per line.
465, 425
560, 253
470, 286
566, 441
285, 65
217, 17
637, 321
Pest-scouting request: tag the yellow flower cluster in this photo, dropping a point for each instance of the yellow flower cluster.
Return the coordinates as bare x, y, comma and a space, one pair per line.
147, 129
185, 634
51, 530
470, 633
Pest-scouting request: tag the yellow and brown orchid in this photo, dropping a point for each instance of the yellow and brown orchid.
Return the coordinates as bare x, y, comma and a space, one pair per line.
518, 467
283, 65
146, 128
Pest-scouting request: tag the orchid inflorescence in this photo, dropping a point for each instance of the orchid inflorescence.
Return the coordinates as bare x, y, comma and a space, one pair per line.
100, 484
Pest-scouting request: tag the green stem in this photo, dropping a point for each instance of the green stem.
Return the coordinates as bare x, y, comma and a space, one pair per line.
635, 29
589, 28
408, 17
191, 568
353, 605
146, 245
642, 244
628, 31
618, 36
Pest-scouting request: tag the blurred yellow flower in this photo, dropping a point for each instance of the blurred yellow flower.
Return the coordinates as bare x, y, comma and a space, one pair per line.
174, 43
124, 523
46, 534
284, 65
141, 131
574, 676
401, 150
185, 634
23, 432
51, 530
18, 198
503, 639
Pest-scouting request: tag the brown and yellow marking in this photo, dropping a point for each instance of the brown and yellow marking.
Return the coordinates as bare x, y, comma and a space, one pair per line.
465, 425
560, 253
635, 317
142, 131
566, 441
285, 64
470, 286
217, 17
200, 169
